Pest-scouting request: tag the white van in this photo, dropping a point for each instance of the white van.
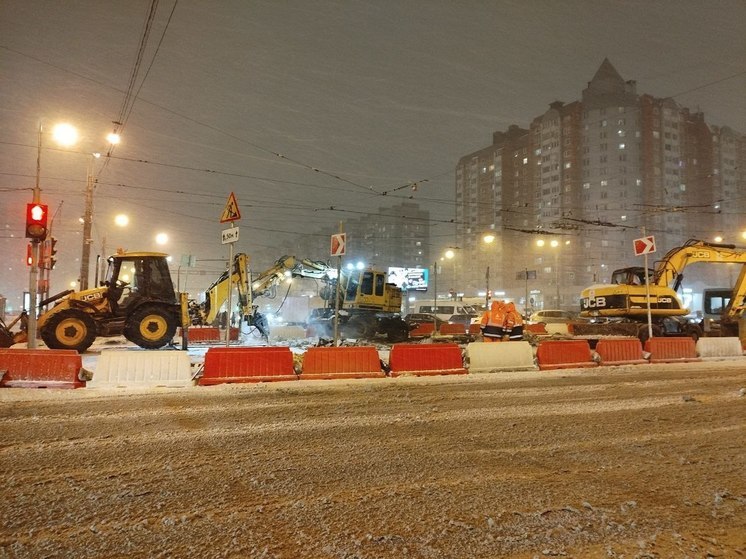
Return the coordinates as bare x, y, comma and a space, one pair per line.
446, 309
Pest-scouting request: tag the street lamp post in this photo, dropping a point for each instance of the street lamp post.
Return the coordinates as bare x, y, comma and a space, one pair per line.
555, 244
66, 135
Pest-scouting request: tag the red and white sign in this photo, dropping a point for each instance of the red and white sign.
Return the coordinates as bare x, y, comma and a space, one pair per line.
231, 211
645, 245
339, 243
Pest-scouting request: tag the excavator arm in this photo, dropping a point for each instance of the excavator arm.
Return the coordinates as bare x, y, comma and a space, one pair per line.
669, 271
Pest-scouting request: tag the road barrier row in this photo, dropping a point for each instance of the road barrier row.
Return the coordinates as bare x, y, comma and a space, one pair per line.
129, 367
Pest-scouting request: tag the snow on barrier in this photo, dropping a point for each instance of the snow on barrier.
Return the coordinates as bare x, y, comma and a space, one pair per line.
341, 363
207, 334
452, 329
507, 356
671, 350
422, 330
42, 368
247, 364
537, 328
624, 351
719, 347
564, 354
426, 360
142, 368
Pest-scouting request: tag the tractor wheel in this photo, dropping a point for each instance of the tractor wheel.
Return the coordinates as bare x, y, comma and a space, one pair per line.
150, 326
642, 332
69, 329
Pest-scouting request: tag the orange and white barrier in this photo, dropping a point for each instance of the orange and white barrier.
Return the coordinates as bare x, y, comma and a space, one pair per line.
341, 363
426, 360
42, 368
247, 364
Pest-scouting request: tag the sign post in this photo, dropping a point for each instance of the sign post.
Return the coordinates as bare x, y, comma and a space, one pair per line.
338, 249
644, 246
231, 213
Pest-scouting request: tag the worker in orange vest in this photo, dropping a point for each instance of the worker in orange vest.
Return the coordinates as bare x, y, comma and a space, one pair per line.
513, 329
493, 322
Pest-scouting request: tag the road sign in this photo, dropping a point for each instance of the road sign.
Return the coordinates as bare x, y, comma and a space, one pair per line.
644, 245
231, 211
230, 235
339, 244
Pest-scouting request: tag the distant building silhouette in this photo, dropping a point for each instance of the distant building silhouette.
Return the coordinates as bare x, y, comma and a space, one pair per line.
591, 175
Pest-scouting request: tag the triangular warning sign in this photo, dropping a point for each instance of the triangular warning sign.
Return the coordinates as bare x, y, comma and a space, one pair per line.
231, 211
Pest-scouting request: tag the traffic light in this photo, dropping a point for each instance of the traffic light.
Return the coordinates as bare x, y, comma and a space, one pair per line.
36, 221
29, 255
51, 260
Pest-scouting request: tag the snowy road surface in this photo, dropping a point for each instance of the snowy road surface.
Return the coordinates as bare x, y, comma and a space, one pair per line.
635, 461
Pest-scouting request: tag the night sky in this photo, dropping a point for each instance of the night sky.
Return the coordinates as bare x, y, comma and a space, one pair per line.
298, 106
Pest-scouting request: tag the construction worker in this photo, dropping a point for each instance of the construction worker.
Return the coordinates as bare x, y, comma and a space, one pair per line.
513, 329
493, 322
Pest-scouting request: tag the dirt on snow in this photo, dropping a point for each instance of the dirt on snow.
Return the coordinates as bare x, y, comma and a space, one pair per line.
628, 462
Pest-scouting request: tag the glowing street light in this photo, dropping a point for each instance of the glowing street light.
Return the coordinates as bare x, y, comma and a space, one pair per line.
121, 220
161, 238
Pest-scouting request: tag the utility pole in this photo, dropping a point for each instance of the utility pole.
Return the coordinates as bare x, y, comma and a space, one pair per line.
87, 227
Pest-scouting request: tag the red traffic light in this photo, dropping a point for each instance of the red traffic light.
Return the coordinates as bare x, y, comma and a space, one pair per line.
36, 221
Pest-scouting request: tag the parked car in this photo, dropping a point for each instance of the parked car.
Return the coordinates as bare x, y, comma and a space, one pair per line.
552, 316
414, 319
465, 319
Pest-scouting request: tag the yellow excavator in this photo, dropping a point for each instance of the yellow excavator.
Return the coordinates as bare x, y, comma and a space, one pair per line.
625, 300
369, 306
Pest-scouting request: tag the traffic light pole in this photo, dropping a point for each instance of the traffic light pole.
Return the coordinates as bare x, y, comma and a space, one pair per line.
34, 272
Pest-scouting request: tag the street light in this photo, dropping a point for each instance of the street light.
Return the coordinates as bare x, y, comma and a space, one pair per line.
555, 244
487, 238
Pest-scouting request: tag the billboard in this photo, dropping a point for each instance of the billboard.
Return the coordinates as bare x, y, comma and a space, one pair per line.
411, 279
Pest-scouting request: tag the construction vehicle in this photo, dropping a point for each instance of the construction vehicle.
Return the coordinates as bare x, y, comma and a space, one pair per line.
622, 305
137, 299
368, 305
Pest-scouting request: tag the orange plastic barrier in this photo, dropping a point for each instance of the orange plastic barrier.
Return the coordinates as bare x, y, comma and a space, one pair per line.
424, 329
564, 354
671, 350
341, 362
620, 352
452, 329
201, 334
426, 360
247, 364
475, 329
538, 328
42, 368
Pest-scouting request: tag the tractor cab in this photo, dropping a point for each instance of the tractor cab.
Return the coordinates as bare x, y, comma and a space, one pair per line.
134, 278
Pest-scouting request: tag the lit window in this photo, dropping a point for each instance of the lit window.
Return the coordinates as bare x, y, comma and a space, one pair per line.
622, 146
525, 160
604, 183
624, 218
568, 165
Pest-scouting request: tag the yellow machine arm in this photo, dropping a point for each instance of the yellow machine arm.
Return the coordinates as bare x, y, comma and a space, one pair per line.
669, 269
217, 294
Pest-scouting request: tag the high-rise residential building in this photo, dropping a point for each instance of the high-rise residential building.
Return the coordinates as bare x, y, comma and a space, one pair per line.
564, 199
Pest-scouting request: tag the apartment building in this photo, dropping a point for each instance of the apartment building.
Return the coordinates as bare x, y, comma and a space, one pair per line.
565, 198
